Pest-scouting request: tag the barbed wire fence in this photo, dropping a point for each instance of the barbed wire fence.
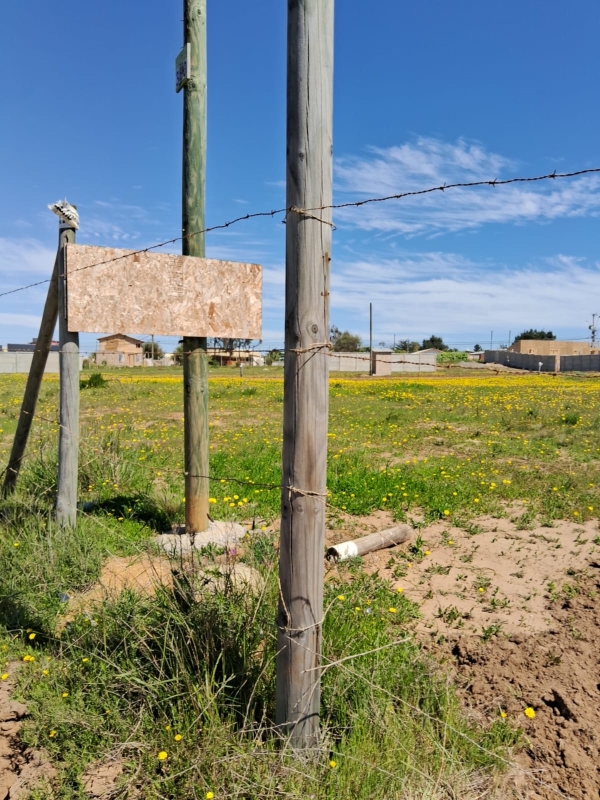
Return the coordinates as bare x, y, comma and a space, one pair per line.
310, 212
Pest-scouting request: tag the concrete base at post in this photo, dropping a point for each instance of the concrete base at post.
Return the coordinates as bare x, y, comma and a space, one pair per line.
220, 534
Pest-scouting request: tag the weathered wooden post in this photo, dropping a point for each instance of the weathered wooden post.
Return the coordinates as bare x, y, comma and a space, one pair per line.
68, 434
195, 358
308, 247
34, 381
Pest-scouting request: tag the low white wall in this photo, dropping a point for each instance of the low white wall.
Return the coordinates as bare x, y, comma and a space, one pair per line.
21, 362
401, 362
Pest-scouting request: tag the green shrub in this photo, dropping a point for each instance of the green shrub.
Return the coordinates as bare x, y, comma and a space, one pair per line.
95, 381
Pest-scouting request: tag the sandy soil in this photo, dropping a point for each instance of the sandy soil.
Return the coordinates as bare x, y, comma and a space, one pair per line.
556, 672
496, 576
516, 615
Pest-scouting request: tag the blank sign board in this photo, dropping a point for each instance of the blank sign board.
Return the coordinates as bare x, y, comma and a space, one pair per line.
123, 291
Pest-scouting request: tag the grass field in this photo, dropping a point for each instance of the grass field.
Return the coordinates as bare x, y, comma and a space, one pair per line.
133, 674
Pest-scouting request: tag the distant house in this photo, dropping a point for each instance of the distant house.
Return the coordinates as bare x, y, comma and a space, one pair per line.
226, 358
551, 347
430, 350
474, 355
119, 350
28, 348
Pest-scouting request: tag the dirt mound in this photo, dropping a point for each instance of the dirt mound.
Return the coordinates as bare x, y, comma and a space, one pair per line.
556, 673
21, 769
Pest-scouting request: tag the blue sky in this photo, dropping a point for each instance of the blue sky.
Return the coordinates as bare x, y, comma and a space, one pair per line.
424, 93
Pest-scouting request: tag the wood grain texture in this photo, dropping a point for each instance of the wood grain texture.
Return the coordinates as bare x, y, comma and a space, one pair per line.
164, 294
195, 359
308, 247
196, 434
34, 381
68, 432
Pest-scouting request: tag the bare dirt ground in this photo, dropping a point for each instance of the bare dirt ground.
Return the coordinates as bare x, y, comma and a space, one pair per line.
21, 768
557, 673
516, 614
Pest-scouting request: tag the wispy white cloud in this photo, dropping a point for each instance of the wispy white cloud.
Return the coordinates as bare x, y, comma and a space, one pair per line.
419, 294
429, 162
23, 260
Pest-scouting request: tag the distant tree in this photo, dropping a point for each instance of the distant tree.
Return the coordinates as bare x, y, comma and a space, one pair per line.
344, 341
406, 346
178, 354
158, 351
478, 348
533, 333
434, 341
273, 356
230, 346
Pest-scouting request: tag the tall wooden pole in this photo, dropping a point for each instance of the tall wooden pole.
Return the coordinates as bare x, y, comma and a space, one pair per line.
68, 432
308, 248
34, 381
195, 358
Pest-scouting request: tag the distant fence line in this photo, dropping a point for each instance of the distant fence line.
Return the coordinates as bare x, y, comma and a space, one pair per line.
20, 362
384, 362
537, 363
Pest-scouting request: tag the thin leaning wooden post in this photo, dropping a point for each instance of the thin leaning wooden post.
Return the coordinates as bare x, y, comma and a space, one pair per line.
68, 432
195, 358
306, 402
34, 382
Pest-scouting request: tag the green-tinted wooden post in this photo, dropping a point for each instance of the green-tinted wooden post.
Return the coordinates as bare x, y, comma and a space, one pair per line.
68, 432
195, 358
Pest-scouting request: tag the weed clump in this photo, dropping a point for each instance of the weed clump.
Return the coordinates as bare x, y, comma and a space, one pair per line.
95, 381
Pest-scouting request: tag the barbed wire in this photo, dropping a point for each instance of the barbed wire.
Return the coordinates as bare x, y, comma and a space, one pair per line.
308, 212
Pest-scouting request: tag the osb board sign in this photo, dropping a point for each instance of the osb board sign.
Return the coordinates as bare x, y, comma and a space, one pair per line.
123, 291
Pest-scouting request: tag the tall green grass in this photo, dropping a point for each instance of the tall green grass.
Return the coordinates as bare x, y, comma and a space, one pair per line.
196, 660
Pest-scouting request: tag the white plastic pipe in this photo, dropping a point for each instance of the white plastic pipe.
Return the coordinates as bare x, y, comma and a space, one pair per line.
370, 543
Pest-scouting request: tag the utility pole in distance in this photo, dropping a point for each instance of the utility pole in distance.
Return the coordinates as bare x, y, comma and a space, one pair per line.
370, 338
306, 390
192, 78
593, 329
